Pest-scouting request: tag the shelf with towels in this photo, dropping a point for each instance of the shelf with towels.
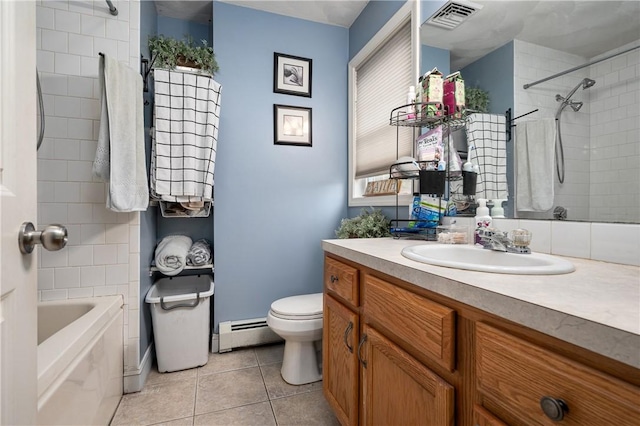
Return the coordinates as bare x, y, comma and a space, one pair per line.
209, 267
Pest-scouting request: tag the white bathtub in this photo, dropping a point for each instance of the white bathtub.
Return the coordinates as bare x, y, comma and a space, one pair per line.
80, 360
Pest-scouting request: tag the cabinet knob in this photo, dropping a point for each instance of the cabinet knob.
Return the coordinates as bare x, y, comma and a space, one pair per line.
554, 408
334, 278
362, 340
346, 333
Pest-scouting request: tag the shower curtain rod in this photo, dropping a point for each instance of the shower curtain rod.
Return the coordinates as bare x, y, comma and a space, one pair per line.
526, 86
112, 8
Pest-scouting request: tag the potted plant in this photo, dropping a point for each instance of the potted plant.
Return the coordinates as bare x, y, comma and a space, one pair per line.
169, 53
477, 99
369, 224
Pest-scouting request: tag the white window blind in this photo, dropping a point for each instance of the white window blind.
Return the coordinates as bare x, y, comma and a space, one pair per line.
381, 84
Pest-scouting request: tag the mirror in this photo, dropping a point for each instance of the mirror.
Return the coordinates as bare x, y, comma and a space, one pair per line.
506, 45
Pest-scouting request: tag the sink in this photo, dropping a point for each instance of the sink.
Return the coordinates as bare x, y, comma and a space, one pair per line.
474, 258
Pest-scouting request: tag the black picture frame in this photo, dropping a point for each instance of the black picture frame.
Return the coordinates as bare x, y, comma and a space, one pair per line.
292, 125
292, 75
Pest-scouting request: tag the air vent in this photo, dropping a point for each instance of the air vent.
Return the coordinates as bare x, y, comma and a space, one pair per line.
453, 14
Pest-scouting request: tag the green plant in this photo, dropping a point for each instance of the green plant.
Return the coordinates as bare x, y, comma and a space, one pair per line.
369, 224
476, 99
169, 52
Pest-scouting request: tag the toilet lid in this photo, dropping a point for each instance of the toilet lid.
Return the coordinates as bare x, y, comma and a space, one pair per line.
306, 306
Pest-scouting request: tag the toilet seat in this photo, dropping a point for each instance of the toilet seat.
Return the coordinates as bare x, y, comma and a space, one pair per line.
303, 307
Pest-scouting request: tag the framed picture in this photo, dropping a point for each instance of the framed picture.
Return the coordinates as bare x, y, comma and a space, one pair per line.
291, 75
291, 125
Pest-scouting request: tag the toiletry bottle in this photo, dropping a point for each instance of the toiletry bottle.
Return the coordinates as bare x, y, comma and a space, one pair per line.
482, 219
497, 211
411, 99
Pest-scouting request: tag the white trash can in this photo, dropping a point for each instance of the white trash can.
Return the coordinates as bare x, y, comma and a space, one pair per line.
181, 316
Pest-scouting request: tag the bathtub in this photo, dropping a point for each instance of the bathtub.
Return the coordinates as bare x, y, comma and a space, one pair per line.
80, 360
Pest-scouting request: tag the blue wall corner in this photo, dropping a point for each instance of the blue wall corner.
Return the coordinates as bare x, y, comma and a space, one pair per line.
434, 57
178, 28
372, 18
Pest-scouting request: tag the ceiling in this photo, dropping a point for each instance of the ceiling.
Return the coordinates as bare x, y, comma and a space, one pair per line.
582, 27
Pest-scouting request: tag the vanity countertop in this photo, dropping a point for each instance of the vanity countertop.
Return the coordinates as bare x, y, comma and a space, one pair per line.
596, 307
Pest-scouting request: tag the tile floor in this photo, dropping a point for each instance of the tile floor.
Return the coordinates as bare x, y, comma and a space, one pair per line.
241, 387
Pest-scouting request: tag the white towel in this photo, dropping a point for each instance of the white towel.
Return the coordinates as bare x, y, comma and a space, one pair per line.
535, 143
487, 149
185, 135
120, 157
199, 253
171, 254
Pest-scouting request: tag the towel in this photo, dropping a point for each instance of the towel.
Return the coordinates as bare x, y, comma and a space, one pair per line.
184, 136
535, 143
171, 254
199, 253
487, 149
120, 156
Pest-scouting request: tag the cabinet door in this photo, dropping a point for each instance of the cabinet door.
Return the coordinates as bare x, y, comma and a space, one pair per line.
482, 417
339, 360
399, 390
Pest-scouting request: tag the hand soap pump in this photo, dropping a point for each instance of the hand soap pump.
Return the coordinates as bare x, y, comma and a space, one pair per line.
482, 219
497, 211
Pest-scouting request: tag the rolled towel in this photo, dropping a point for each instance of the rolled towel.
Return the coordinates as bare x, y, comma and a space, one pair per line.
199, 253
171, 254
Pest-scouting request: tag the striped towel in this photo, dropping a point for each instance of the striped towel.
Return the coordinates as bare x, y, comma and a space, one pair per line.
487, 148
184, 136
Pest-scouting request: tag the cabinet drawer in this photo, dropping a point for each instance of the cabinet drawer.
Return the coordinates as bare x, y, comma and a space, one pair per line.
514, 376
420, 323
341, 280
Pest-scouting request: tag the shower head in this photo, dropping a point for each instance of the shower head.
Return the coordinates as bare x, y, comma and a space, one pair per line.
587, 82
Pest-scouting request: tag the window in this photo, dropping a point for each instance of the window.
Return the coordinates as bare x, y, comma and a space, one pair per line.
380, 75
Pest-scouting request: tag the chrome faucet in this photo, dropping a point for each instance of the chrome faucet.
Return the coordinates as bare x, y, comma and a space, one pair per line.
494, 239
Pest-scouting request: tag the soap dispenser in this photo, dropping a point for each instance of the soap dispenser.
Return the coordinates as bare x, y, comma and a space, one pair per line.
482, 219
497, 211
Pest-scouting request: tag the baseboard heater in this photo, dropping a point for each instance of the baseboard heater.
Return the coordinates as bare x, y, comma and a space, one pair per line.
240, 334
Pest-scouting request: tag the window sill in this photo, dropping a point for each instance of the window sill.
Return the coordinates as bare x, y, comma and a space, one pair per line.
381, 201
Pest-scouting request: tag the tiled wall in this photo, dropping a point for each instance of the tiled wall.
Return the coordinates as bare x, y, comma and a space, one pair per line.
615, 137
102, 256
602, 181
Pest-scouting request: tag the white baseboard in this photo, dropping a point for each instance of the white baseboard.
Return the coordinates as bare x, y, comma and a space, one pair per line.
134, 380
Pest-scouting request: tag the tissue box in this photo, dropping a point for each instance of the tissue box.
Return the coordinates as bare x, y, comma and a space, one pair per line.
431, 84
453, 96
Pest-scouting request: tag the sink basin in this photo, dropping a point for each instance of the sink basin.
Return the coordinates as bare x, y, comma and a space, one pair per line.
478, 259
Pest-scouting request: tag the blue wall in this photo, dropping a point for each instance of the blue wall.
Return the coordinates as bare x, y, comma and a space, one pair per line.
368, 23
177, 28
275, 203
431, 57
494, 73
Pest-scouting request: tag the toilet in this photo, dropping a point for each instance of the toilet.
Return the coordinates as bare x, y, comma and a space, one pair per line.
298, 320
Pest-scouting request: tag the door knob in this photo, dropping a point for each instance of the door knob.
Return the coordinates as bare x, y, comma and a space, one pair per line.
52, 237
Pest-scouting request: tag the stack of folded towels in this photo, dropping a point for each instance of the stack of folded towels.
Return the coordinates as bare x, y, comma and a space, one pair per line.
174, 252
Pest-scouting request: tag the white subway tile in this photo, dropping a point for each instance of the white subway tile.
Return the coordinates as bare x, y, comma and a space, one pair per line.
89, 68
123, 289
80, 171
81, 256
102, 9
92, 234
123, 253
134, 323
134, 45
81, 87
73, 232
91, 109
84, 7
92, 25
57, 4
117, 234
106, 45
101, 214
617, 243
134, 268
49, 295
117, 30
67, 106
52, 170
54, 259
134, 238
80, 45
80, 128
88, 150
123, 11
134, 15
92, 192
92, 276
45, 61
123, 51
45, 17
46, 150
111, 290
80, 293
45, 278
38, 38
55, 127
117, 274
45, 192
67, 21
571, 239
67, 278
80, 213
67, 192
106, 254
52, 213
49, 102
67, 64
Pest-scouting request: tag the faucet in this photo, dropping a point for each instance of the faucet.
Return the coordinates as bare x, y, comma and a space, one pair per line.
494, 239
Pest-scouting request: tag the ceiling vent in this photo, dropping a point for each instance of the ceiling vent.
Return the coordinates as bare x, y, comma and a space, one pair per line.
453, 14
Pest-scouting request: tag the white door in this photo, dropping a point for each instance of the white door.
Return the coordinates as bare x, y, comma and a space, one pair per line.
18, 192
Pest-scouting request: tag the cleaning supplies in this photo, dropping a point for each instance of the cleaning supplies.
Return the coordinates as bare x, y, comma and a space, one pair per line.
411, 103
482, 219
497, 211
